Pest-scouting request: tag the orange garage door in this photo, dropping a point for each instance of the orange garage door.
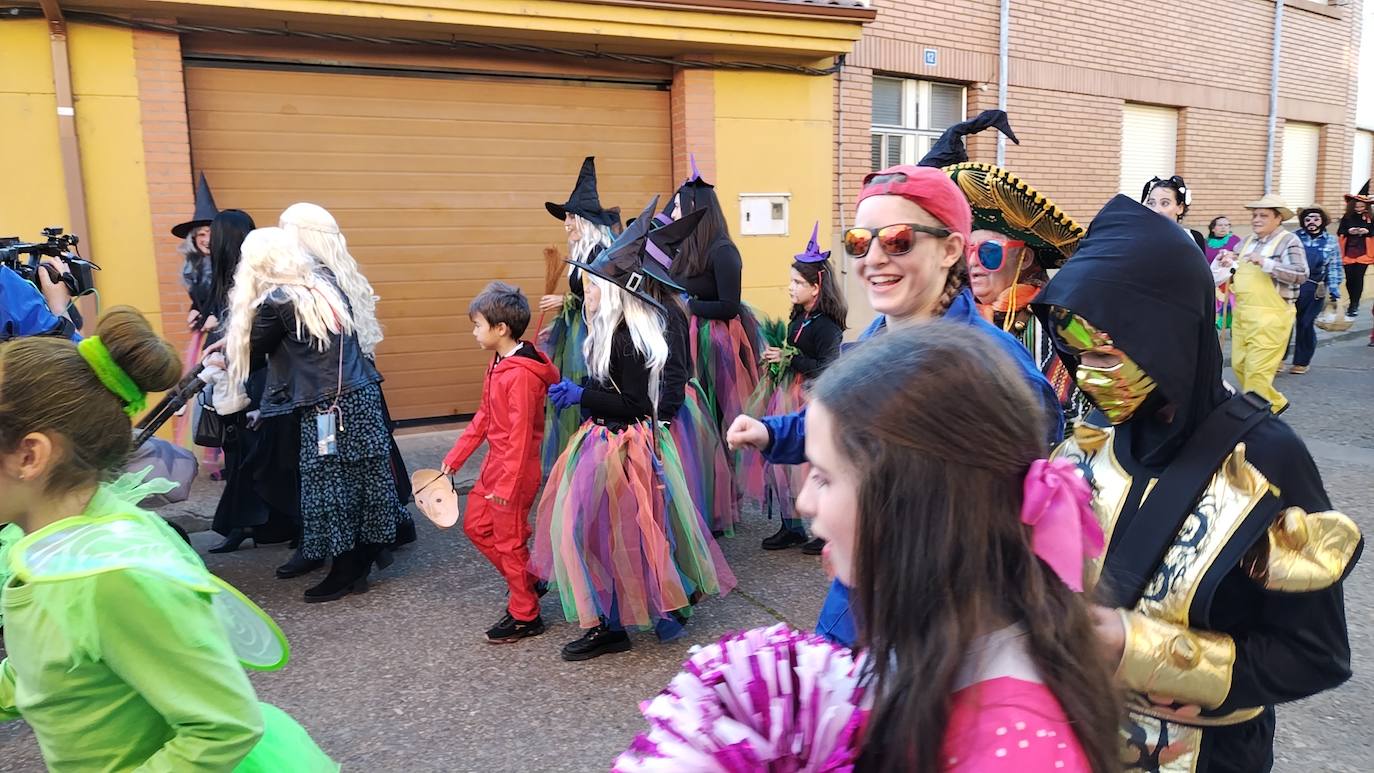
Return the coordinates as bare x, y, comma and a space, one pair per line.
439, 184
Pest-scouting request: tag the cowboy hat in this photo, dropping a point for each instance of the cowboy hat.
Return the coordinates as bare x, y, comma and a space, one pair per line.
1275, 202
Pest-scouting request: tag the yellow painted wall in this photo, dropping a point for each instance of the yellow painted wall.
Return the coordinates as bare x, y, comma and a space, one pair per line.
109, 129
775, 134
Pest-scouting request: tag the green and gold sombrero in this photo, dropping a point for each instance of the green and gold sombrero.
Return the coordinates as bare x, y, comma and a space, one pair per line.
1002, 202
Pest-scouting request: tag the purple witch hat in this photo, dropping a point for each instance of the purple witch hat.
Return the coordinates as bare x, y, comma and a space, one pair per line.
813, 252
686, 194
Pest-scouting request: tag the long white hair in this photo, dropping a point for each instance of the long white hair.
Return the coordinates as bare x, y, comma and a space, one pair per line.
321, 239
271, 263
646, 330
591, 236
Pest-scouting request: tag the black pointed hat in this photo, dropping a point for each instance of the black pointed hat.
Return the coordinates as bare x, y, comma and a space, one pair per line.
205, 210
949, 149
583, 201
630, 261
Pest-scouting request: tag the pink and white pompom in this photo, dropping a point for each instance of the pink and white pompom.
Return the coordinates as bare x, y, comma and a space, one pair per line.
771, 699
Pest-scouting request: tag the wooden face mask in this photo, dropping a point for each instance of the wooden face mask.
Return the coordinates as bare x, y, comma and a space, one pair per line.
435, 497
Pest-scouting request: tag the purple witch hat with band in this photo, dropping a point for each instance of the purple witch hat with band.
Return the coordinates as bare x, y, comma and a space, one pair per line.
813, 252
686, 193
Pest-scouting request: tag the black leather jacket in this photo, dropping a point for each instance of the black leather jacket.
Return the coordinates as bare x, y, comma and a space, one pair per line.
298, 373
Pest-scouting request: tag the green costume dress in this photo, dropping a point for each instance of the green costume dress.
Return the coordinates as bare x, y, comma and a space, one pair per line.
126, 654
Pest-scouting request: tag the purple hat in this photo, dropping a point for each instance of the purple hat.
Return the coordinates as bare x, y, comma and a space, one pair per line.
813, 252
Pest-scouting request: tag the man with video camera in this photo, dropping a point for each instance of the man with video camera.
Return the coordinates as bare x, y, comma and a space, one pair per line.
25, 310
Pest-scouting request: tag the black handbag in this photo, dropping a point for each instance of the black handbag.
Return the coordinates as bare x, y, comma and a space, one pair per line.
209, 427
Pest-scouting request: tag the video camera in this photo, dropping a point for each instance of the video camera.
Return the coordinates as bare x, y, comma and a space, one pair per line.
79, 280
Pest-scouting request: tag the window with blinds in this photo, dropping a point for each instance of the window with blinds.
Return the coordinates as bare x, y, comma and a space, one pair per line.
1298, 170
1149, 141
909, 115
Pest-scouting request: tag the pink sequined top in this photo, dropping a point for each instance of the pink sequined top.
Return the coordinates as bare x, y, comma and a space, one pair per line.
1005, 720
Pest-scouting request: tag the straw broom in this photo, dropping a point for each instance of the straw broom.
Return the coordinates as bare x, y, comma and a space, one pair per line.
553, 272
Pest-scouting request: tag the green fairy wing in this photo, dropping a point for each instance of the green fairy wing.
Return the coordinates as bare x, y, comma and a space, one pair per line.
114, 534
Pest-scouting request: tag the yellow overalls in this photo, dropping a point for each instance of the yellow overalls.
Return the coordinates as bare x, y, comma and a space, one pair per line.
1261, 327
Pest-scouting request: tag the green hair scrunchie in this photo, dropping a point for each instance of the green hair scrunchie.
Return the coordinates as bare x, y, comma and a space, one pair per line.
112, 376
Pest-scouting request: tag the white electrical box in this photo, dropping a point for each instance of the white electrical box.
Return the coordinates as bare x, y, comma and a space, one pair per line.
763, 214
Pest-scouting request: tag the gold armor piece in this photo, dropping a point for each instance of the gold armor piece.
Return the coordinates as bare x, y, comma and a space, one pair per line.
1307, 551
1187, 665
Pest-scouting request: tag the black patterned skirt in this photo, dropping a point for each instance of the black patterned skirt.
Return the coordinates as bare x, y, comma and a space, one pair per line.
348, 499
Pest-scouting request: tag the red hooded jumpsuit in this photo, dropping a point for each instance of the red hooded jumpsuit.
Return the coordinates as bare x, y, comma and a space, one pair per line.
511, 421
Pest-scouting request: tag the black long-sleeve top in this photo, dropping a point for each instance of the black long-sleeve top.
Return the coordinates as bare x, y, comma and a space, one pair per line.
626, 399
1354, 244
672, 390
817, 338
716, 291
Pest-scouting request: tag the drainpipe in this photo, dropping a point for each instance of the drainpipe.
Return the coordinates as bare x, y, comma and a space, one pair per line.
1003, 44
1273, 99
839, 163
66, 133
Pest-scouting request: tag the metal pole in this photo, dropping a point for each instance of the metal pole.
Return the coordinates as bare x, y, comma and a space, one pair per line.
1273, 99
67, 141
1003, 44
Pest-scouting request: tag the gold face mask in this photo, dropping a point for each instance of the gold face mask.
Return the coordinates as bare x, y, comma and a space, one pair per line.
1117, 391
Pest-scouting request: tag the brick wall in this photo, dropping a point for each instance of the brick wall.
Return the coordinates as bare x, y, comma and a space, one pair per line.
1210, 58
693, 107
167, 153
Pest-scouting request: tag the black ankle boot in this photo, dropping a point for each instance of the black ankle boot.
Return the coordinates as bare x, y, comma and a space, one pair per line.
233, 540
405, 533
596, 642
348, 574
298, 565
785, 538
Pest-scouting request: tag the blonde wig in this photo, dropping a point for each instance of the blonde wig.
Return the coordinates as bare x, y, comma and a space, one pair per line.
273, 264
646, 330
321, 239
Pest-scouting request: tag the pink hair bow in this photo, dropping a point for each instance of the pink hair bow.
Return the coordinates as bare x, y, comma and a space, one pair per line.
1058, 508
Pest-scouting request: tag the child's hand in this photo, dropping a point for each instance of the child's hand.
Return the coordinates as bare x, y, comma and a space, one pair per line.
550, 302
772, 354
565, 394
746, 432
445, 469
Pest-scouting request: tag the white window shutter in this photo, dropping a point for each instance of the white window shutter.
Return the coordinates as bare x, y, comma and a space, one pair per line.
1360, 165
1298, 172
1149, 141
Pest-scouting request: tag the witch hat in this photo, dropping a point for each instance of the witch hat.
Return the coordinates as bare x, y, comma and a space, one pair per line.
583, 201
686, 193
205, 210
949, 149
813, 252
623, 263
665, 242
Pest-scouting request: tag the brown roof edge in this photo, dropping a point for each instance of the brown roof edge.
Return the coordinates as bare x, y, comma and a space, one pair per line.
856, 10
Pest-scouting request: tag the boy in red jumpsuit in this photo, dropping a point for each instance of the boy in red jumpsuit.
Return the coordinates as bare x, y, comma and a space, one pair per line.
511, 421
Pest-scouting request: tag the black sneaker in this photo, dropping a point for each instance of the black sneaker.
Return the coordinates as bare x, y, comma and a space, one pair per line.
814, 547
596, 642
510, 629
541, 588
785, 538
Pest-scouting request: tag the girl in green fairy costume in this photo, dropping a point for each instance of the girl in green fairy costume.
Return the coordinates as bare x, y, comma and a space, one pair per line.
125, 653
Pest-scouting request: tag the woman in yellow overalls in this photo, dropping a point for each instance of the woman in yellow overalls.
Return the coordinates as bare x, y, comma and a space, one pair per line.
1266, 273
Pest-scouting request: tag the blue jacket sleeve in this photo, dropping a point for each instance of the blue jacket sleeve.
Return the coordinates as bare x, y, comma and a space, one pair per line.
23, 310
786, 438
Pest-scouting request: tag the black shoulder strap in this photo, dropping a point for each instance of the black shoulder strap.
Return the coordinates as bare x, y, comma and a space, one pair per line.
1140, 549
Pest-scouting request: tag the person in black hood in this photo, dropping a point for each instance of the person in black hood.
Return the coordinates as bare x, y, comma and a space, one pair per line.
1221, 585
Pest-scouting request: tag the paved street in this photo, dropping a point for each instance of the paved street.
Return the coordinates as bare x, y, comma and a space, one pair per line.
400, 679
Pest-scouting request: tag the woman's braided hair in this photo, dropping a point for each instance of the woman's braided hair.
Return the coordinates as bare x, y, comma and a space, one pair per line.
955, 282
